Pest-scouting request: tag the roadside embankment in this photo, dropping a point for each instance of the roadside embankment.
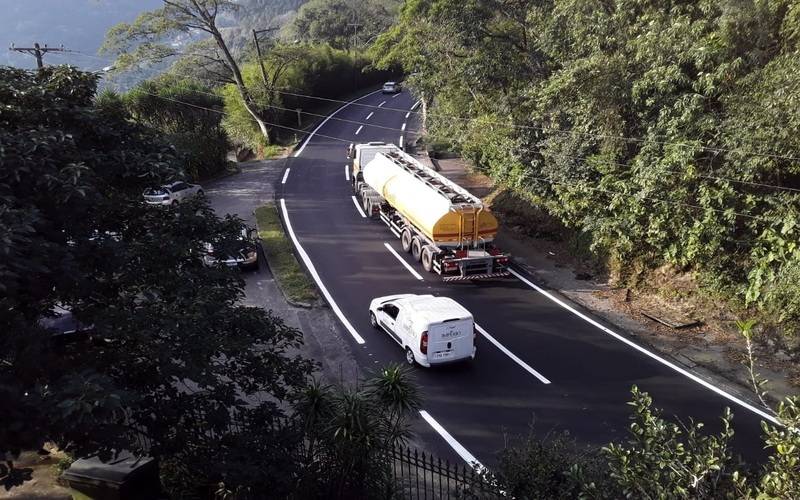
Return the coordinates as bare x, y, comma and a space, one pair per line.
710, 347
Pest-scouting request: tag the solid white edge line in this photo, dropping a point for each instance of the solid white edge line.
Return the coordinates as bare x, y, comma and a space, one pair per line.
403, 128
305, 143
525, 366
347, 172
285, 176
408, 114
457, 447
313, 271
381, 104
359, 129
397, 255
360, 210
415, 105
369, 116
644, 351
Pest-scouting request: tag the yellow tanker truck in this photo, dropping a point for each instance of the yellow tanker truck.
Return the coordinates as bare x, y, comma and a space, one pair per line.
440, 223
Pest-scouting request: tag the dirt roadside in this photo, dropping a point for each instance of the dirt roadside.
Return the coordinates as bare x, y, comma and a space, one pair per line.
711, 349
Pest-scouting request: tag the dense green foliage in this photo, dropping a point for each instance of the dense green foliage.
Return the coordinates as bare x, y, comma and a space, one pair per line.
331, 22
188, 115
294, 72
659, 459
665, 129
171, 354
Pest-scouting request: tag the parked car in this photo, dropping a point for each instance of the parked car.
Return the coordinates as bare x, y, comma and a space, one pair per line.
391, 88
245, 258
170, 194
64, 328
431, 330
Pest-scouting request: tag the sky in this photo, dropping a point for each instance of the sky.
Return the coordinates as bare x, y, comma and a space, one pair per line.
79, 25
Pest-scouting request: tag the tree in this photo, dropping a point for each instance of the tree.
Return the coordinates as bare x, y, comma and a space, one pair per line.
146, 40
173, 366
331, 21
188, 114
661, 130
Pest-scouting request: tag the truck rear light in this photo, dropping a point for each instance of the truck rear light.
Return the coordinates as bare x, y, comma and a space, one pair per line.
502, 260
423, 343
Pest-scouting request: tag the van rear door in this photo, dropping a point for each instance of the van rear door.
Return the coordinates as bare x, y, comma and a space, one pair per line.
450, 340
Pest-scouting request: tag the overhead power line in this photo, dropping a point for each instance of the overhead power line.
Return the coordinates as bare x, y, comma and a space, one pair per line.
558, 155
286, 91
726, 212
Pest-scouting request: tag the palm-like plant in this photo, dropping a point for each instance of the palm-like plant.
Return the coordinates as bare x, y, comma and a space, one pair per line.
349, 432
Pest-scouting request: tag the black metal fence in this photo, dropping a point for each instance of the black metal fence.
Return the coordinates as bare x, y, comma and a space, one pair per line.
418, 475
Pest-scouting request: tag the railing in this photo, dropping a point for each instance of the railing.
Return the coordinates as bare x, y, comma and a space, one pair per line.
417, 475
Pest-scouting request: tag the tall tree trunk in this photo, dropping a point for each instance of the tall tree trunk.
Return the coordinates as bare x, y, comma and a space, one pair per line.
249, 105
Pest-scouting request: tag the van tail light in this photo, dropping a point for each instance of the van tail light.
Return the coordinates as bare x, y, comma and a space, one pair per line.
423, 343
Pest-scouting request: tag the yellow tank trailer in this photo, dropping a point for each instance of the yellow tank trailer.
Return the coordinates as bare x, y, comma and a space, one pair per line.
440, 223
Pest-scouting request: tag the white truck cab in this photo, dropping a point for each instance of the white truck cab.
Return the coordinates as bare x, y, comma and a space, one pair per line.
431, 330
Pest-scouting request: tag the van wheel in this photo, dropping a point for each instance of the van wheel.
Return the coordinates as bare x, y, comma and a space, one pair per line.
427, 258
416, 248
405, 240
410, 356
373, 320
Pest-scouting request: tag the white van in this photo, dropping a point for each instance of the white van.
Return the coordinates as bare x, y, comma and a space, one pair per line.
431, 330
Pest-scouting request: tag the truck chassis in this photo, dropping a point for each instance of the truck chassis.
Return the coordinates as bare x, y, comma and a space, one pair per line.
453, 264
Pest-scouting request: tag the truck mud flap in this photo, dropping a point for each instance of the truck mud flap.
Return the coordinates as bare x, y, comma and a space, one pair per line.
503, 274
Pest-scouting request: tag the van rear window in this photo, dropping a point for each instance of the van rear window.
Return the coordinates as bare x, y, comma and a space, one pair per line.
453, 319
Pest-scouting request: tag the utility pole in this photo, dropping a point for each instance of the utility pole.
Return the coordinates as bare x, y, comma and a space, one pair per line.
38, 52
354, 47
354, 43
258, 51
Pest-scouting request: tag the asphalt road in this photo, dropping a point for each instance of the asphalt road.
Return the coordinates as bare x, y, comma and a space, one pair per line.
590, 371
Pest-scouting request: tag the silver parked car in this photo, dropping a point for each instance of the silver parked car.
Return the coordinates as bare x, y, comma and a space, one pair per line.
170, 194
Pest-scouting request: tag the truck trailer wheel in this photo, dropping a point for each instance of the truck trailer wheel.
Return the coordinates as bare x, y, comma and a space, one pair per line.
416, 248
427, 258
367, 207
405, 240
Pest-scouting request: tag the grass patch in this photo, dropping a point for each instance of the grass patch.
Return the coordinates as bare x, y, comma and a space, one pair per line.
291, 278
273, 151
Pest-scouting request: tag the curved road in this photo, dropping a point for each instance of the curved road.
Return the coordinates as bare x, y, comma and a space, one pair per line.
537, 360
